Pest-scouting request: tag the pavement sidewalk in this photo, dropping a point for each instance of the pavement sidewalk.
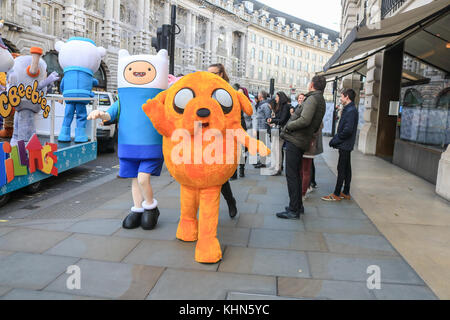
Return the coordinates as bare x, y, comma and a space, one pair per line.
325, 255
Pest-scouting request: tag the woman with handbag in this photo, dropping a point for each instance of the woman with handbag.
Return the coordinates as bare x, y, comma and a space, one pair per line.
281, 114
307, 161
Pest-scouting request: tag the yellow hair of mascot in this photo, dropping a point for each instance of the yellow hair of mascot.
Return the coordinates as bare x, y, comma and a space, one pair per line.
202, 106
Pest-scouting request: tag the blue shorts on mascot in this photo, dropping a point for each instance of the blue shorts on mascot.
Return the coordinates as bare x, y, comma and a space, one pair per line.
80, 58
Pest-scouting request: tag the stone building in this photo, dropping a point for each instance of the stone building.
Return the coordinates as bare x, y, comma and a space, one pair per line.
253, 41
410, 71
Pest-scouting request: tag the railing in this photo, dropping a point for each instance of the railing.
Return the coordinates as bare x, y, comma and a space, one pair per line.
388, 6
56, 98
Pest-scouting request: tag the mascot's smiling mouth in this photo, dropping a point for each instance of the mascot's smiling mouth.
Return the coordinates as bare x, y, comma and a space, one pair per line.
139, 74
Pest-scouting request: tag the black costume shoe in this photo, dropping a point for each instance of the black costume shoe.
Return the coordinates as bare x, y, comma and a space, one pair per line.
234, 176
132, 221
232, 209
150, 219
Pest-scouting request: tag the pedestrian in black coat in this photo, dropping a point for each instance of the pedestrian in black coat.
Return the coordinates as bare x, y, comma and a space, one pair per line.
344, 141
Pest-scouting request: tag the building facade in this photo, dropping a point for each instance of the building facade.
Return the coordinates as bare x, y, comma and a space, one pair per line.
423, 126
254, 42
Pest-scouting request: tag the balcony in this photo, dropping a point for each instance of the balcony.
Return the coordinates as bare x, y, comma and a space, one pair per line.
389, 6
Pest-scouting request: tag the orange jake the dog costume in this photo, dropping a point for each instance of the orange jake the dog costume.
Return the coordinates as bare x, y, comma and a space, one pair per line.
202, 104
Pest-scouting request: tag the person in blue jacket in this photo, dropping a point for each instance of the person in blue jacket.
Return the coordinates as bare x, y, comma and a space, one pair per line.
140, 78
80, 58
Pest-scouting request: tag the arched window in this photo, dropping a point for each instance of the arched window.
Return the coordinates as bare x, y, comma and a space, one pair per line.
443, 99
412, 98
100, 75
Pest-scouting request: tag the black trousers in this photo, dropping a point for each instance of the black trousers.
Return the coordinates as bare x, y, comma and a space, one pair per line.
294, 156
226, 192
344, 169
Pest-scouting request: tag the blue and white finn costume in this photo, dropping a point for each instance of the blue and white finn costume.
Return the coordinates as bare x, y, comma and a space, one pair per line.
80, 58
140, 145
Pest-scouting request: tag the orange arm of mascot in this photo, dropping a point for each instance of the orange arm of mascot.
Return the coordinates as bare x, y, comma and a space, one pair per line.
199, 119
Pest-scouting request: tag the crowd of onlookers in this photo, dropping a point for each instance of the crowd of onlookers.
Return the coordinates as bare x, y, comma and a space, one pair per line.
294, 134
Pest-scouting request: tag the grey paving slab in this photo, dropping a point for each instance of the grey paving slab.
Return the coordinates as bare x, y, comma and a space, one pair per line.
243, 207
277, 239
403, 292
5, 230
101, 226
48, 224
264, 199
162, 231
225, 220
32, 271
172, 254
359, 244
250, 296
31, 240
4, 254
258, 190
168, 202
116, 205
323, 289
331, 225
343, 212
104, 214
265, 262
206, 285
4, 290
111, 280
23, 294
94, 247
260, 221
233, 236
354, 268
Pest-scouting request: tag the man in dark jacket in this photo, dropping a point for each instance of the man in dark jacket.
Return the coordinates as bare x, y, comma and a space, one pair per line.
344, 141
298, 133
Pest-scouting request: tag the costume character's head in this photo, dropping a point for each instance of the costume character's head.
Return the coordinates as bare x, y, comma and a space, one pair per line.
80, 52
202, 103
143, 71
28, 69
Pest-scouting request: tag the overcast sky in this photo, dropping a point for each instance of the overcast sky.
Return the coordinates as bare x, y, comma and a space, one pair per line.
326, 13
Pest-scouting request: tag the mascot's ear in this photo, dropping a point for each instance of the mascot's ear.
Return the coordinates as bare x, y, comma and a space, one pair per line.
246, 106
58, 45
101, 51
163, 53
123, 53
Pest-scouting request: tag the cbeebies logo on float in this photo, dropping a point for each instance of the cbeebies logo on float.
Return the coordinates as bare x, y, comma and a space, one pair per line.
15, 94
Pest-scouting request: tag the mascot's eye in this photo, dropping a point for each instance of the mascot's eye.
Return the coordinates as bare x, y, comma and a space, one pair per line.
182, 98
149, 69
130, 69
224, 99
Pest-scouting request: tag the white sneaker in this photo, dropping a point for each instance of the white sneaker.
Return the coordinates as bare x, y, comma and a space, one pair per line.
310, 189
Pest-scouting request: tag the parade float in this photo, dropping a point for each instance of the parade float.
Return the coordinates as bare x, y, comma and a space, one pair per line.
31, 155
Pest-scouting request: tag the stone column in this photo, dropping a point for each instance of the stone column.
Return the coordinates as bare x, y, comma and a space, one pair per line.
193, 31
242, 55
207, 52
368, 133
443, 176
116, 21
108, 23
188, 28
166, 19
